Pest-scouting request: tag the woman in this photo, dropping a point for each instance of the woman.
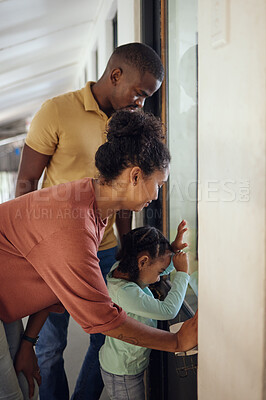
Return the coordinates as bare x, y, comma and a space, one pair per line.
49, 241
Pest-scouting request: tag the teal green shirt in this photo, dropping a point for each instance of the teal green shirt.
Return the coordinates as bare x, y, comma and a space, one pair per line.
122, 358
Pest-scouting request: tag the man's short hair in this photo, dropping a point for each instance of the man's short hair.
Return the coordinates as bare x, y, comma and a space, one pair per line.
142, 57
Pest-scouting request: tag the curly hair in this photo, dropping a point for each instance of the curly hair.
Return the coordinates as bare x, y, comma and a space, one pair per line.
142, 57
133, 139
146, 238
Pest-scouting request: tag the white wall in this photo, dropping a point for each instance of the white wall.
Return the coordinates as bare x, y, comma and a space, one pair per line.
101, 38
128, 21
232, 289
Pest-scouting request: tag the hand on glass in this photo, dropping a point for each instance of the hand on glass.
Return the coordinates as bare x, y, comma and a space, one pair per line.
178, 244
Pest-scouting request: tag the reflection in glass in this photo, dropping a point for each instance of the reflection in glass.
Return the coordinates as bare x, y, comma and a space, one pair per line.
182, 126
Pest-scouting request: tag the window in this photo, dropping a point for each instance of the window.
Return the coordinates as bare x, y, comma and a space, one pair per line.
182, 126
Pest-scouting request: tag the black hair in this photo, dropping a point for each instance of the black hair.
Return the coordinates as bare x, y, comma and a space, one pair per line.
133, 139
142, 57
146, 238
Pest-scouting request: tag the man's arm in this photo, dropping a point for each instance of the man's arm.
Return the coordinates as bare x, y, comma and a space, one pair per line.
123, 222
134, 332
31, 168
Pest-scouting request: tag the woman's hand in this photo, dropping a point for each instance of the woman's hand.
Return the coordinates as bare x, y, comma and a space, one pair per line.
187, 336
178, 244
180, 261
26, 362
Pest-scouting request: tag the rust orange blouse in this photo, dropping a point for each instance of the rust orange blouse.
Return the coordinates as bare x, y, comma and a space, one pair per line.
48, 257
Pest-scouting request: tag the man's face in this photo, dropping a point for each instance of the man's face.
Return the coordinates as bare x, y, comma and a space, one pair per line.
131, 88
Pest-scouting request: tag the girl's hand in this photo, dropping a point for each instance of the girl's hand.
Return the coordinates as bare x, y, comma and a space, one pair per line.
180, 261
26, 362
178, 244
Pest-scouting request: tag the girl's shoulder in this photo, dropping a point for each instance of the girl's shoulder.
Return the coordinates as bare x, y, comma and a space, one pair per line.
121, 284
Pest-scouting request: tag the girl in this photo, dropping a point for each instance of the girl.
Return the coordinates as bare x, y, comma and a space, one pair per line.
48, 250
145, 255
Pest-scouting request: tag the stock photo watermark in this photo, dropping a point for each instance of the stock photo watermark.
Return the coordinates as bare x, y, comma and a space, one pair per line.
213, 190
69, 202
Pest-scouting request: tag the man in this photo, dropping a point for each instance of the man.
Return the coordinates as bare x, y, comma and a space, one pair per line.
63, 138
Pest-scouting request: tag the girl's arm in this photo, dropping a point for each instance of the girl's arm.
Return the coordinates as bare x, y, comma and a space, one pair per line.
134, 300
169, 269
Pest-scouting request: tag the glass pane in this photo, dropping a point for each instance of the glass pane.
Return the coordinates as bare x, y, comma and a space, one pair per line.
182, 127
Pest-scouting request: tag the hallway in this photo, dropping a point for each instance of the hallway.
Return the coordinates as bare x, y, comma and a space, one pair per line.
75, 352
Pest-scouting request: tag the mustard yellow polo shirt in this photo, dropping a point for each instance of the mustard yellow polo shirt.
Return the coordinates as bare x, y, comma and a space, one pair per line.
70, 128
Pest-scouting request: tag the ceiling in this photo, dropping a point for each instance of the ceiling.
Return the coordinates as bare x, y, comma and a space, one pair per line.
41, 45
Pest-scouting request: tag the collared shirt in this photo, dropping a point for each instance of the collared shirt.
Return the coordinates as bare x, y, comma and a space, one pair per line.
70, 128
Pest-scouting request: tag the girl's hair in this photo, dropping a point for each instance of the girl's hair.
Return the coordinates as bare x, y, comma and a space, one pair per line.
146, 238
133, 139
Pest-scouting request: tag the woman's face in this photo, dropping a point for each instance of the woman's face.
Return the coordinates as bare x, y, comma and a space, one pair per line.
150, 270
143, 189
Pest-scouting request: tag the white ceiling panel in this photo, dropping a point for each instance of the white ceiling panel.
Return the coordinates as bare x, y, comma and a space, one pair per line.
41, 44
52, 44
24, 91
22, 20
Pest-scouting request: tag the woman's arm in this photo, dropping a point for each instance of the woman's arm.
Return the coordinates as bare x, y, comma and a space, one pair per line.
26, 360
134, 332
35, 323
